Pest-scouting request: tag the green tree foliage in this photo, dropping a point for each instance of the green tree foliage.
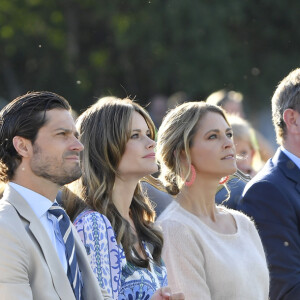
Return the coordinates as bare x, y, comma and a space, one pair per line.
87, 49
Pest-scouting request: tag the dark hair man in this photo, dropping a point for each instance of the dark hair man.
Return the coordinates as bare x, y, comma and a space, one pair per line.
41, 256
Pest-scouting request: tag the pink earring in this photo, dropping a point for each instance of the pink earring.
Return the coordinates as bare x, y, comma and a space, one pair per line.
193, 177
224, 180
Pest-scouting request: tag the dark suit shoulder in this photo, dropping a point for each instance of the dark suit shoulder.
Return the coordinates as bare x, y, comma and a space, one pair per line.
270, 197
269, 173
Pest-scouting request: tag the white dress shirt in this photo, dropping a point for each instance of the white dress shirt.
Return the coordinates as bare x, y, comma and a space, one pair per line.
40, 205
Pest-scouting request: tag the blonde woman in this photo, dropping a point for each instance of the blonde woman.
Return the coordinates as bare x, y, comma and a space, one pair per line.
217, 250
115, 220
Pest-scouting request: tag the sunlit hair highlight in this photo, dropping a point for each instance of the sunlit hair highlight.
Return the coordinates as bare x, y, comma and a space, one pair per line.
175, 136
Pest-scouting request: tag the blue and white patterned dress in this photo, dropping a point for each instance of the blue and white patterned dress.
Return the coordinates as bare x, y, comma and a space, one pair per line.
121, 279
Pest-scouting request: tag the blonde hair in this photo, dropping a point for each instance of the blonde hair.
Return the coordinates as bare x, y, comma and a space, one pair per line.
175, 135
104, 130
222, 97
244, 131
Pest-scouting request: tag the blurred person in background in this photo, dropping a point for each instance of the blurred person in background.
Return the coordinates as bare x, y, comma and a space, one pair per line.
248, 156
176, 99
232, 103
157, 109
217, 251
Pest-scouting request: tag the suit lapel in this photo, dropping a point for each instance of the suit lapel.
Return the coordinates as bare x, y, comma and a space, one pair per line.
59, 277
288, 167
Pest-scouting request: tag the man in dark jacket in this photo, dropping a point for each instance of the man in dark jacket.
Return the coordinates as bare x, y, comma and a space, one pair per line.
272, 197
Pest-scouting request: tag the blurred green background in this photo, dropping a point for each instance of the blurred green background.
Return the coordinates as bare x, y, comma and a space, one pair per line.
87, 49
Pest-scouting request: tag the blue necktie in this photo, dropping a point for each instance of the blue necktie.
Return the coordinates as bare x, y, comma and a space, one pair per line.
73, 272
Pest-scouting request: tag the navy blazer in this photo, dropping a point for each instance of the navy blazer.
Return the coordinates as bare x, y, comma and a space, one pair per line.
272, 199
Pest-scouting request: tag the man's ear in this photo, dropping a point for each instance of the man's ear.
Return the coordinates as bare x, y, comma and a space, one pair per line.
23, 146
291, 119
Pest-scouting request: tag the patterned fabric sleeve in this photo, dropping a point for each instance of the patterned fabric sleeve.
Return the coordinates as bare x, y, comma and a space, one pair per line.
103, 252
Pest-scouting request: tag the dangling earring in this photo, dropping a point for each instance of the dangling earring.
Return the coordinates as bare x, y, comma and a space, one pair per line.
224, 180
193, 177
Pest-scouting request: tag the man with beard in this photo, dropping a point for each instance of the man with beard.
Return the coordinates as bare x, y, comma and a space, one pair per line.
41, 256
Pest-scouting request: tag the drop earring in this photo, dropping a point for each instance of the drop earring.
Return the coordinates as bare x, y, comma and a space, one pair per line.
193, 177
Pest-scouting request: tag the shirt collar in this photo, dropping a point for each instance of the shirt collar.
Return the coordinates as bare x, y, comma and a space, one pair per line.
38, 203
295, 159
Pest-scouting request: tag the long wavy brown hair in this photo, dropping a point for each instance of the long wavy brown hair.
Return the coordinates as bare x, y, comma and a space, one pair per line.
104, 130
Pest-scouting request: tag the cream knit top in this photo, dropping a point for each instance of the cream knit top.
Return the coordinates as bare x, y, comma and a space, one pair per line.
205, 264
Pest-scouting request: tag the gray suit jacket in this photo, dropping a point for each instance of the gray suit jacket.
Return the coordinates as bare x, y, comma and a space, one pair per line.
29, 265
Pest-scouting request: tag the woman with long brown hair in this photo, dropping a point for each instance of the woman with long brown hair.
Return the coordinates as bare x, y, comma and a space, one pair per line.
114, 218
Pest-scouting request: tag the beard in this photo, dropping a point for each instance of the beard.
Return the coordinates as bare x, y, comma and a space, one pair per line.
54, 169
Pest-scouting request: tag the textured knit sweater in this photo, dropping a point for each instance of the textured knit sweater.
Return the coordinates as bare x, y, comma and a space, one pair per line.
205, 264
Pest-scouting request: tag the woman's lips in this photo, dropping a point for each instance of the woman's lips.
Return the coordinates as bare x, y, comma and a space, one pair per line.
151, 155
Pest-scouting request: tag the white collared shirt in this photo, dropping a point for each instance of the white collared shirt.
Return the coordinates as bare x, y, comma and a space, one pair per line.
40, 205
295, 159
